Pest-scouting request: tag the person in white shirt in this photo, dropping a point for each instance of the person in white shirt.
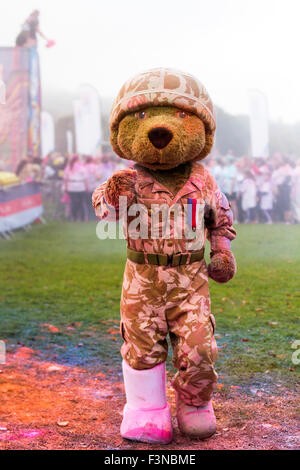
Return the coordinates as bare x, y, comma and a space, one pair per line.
266, 200
75, 183
249, 197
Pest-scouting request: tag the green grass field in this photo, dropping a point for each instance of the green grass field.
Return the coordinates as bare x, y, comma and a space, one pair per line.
61, 274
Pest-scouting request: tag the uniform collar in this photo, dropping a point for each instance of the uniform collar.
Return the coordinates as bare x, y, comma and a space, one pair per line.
195, 181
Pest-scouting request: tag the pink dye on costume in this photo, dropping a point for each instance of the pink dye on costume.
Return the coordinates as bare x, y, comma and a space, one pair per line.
219, 243
150, 433
147, 415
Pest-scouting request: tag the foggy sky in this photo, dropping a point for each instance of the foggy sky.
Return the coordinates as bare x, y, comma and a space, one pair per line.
230, 45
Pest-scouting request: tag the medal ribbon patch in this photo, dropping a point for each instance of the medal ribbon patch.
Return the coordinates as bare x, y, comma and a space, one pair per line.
193, 213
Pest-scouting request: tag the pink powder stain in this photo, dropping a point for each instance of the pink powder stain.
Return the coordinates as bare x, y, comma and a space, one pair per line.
31, 434
150, 434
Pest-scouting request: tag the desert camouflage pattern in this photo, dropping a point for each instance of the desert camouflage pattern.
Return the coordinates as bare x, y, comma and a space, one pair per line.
164, 87
152, 196
157, 300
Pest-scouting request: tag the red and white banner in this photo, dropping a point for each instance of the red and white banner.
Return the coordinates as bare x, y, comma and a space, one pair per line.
19, 206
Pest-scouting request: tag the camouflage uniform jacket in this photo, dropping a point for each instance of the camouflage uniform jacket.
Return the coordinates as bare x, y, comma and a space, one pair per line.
214, 216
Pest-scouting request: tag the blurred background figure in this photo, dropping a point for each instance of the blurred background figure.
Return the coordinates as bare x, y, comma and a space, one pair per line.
93, 178
76, 186
30, 170
215, 169
30, 29
282, 179
266, 197
229, 178
295, 193
248, 196
106, 167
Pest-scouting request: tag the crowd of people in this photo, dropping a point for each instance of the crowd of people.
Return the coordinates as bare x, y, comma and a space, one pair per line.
260, 190
80, 179
68, 181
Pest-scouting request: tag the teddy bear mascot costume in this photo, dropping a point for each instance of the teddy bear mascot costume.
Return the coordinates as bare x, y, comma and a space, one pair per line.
163, 119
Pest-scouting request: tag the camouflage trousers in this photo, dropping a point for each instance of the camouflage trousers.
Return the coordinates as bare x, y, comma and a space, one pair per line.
157, 300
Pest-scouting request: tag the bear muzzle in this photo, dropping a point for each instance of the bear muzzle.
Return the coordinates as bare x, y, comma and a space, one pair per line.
160, 137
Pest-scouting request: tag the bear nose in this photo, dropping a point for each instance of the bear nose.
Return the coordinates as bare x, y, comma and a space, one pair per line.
160, 137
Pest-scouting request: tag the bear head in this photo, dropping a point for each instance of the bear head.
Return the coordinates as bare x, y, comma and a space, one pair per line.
161, 119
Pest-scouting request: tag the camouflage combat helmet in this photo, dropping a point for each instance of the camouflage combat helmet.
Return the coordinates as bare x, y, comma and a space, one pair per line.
164, 87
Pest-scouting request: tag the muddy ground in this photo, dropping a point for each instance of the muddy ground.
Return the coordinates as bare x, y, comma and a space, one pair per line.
46, 405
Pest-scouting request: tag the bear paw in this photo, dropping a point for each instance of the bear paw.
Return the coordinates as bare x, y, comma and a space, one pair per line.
222, 267
121, 183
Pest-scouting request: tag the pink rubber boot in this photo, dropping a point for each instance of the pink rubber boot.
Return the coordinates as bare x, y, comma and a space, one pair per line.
196, 421
146, 415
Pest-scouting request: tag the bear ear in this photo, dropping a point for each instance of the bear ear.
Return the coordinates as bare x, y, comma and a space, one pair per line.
209, 142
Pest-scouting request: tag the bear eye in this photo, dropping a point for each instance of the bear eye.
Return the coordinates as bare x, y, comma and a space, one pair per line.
182, 114
140, 115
